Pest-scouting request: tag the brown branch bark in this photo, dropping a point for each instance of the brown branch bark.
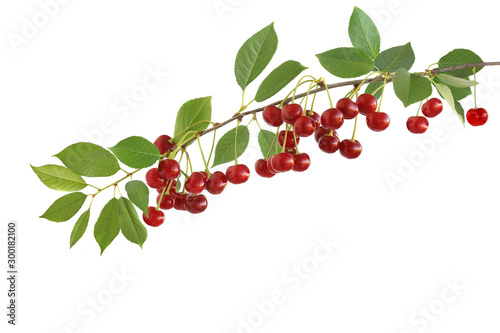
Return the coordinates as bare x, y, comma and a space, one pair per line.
332, 86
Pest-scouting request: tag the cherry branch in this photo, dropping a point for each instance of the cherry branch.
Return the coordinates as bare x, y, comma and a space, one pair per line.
241, 115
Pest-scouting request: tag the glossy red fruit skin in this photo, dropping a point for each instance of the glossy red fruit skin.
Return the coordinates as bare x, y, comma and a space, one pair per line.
301, 162
163, 144
238, 174
378, 121
272, 116
290, 140
291, 112
282, 162
348, 108
155, 217
180, 201
169, 169
304, 126
270, 166
196, 183
262, 170
477, 117
315, 116
332, 119
329, 144
432, 107
154, 180
417, 124
196, 204
366, 104
167, 202
350, 149
216, 183
321, 131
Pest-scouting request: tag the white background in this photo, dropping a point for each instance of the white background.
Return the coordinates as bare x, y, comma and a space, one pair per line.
401, 246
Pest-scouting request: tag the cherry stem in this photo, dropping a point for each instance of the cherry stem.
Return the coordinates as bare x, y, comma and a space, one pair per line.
202, 155
475, 84
327, 92
418, 111
236, 143
382, 97
354, 131
212, 149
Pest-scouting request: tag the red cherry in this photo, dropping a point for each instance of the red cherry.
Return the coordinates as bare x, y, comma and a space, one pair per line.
477, 117
272, 115
169, 169
180, 201
417, 124
216, 183
262, 169
432, 107
378, 121
196, 204
282, 162
321, 131
154, 180
290, 140
291, 112
304, 126
163, 143
350, 149
270, 166
237, 174
155, 217
366, 104
329, 144
316, 117
332, 119
348, 108
301, 162
196, 183
167, 202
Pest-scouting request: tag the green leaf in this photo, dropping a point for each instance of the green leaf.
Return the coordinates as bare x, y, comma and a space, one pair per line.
268, 144
138, 193
411, 88
363, 33
88, 159
446, 93
391, 60
458, 93
107, 226
224, 152
254, 55
59, 178
65, 207
136, 152
346, 62
459, 57
278, 79
372, 87
194, 115
130, 224
79, 228
454, 81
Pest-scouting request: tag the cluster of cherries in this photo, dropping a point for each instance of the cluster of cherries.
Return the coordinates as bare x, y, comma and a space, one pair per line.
164, 179
300, 124
433, 107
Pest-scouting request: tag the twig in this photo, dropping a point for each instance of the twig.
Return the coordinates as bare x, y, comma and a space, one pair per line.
331, 86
